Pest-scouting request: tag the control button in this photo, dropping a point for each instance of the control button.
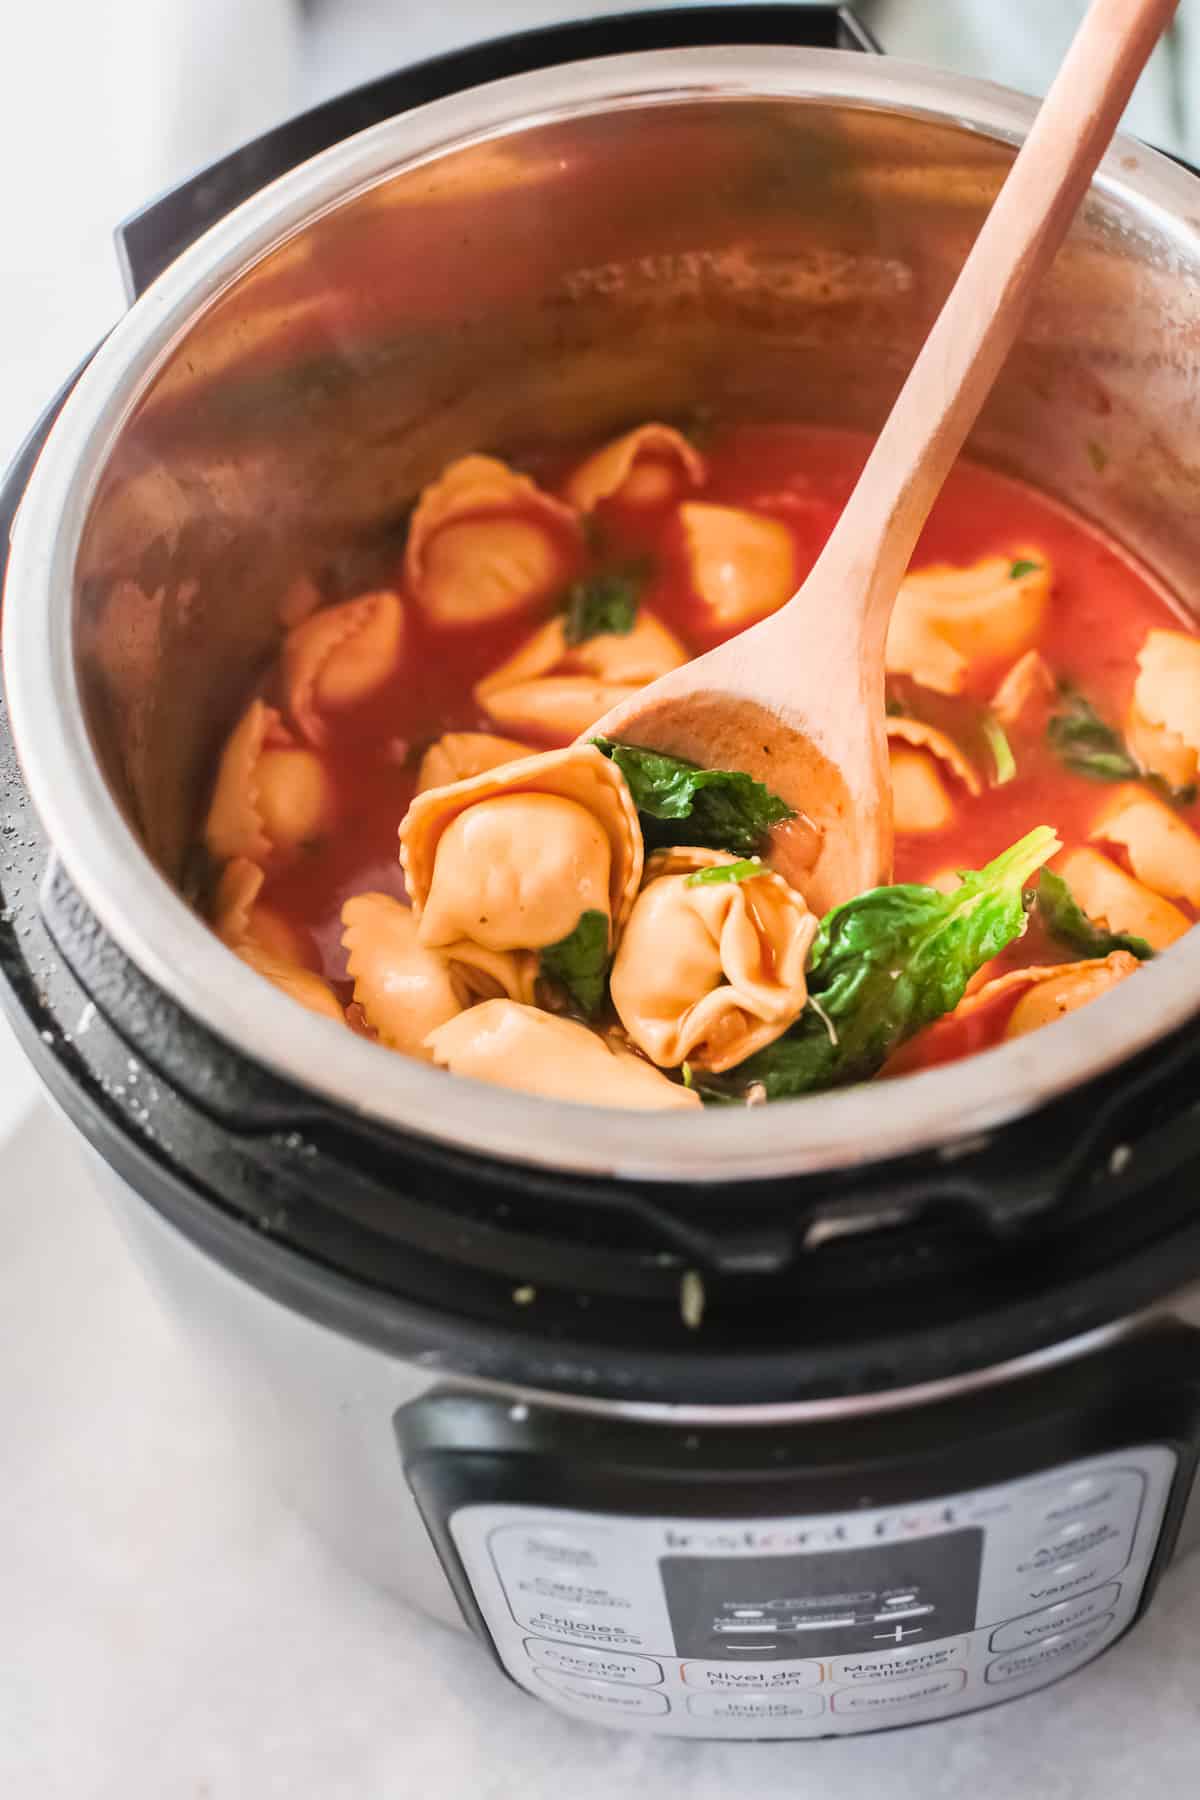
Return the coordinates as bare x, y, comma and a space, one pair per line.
756, 1706
603, 1696
640, 1671
1065, 1582
573, 1584
1063, 1647
577, 1626
1116, 1491
751, 1677
1101, 1539
890, 1665
921, 1690
1066, 1616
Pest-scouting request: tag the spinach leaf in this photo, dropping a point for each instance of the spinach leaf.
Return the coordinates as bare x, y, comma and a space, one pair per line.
1087, 745
1022, 568
1090, 747
602, 604
681, 803
1066, 920
883, 966
580, 962
734, 871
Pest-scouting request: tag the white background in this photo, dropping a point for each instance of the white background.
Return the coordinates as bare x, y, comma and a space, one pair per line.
166, 1629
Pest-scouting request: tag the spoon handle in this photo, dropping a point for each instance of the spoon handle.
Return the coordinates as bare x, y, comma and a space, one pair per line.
869, 549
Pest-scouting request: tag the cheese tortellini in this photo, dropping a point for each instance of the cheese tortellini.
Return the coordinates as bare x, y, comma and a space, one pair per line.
524, 1048
240, 917
947, 618
742, 565
338, 656
550, 686
1119, 901
486, 542
920, 799
1045, 993
709, 971
271, 793
264, 940
1164, 717
298, 983
457, 755
1054, 992
643, 468
1163, 850
1029, 682
405, 990
512, 858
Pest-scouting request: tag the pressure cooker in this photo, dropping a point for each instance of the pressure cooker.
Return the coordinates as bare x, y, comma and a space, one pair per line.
857, 1411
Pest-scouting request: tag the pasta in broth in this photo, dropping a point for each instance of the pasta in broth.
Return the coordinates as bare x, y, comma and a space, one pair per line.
411, 834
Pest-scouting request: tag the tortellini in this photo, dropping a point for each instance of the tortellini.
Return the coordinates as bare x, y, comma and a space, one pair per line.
486, 542
947, 618
1045, 993
533, 1051
1119, 902
1162, 848
1056, 992
297, 983
1163, 727
512, 858
406, 991
710, 971
239, 917
265, 942
742, 566
271, 793
921, 801
340, 655
553, 687
457, 755
1029, 681
644, 468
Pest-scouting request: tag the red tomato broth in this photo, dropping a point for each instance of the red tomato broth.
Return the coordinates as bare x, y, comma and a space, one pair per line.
1100, 609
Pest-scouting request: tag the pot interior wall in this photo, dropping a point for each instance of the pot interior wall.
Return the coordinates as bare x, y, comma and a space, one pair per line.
759, 257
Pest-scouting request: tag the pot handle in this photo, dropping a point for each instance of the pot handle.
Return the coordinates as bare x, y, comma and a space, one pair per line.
148, 240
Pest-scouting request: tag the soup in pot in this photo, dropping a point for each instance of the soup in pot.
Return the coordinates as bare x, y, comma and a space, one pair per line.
412, 832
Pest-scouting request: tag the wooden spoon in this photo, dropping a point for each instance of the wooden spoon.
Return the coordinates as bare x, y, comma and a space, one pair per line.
798, 700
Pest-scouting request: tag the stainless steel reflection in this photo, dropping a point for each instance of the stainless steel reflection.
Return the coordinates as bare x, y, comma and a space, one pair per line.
557, 254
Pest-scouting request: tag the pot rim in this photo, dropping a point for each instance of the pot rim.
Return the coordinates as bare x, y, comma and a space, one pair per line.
164, 938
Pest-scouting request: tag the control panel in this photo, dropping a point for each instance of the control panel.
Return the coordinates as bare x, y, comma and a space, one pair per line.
817, 1625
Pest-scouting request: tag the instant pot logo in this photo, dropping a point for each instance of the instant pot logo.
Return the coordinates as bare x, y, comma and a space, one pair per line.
763, 1540
774, 1539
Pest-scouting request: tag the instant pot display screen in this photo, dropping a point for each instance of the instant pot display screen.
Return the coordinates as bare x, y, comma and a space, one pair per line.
771, 1607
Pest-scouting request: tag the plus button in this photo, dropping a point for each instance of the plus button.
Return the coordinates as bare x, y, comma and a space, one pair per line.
898, 1636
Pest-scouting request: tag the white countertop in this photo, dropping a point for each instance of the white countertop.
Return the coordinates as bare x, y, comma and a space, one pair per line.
168, 1631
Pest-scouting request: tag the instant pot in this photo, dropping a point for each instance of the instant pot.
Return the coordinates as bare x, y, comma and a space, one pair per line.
855, 1411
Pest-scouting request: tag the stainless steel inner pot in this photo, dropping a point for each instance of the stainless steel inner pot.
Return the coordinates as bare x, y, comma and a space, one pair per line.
763, 232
